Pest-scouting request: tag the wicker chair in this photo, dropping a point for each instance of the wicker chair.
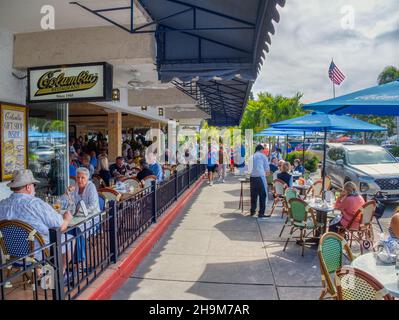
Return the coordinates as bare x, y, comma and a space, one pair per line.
147, 181
364, 235
288, 195
110, 194
299, 213
355, 284
331, 251
17, 241
98, 181
278, 190
132, 182
317, 188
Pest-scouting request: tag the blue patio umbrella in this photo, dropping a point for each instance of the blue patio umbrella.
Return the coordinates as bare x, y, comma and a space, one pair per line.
272, 132
324, 122
380, 100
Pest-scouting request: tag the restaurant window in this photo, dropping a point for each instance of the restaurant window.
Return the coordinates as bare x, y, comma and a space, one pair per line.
48, 147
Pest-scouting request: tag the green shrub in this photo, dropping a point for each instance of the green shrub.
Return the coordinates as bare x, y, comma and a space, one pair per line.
311, 161
395, 151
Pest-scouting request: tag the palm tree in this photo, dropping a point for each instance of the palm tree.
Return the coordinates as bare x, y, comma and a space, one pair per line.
388, 75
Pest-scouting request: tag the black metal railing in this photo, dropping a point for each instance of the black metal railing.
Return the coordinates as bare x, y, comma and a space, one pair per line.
34, 272
74, 259
132, 217
86, 252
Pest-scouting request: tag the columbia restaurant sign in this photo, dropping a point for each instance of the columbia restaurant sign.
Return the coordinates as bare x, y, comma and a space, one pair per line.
77, 82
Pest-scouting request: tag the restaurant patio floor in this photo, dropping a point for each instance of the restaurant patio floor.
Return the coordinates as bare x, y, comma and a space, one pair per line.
213, 251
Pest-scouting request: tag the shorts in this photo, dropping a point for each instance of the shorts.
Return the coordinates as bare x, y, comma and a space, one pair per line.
211, 168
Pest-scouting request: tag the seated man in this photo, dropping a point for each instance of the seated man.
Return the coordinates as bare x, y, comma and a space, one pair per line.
298, 166
22, 205
118, 169
273, 165
86, 164
145, 171
155, 167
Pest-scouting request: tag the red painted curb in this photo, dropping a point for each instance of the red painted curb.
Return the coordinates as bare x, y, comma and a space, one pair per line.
116, 280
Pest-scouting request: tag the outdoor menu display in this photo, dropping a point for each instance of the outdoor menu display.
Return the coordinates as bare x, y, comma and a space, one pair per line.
13, 138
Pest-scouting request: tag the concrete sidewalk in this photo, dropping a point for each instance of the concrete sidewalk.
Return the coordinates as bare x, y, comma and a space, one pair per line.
213, 251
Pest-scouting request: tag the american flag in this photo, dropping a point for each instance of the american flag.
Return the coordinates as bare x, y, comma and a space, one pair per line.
336, 76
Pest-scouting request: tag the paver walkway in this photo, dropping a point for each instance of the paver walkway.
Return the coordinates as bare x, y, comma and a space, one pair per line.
213, 251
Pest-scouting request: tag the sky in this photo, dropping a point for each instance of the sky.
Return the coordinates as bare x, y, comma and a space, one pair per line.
361, 35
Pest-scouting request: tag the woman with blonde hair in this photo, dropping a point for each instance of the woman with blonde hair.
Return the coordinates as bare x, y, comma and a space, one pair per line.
349, 202
284, 175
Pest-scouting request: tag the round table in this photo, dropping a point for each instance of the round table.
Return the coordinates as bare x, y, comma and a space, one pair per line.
303, 188
321, 213
384, 273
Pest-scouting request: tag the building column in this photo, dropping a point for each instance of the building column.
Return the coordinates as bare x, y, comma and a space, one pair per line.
114, 135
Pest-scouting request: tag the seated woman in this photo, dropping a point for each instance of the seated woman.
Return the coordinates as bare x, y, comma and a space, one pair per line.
85, 191
279, 165
298, 166
394, 226
349, 203
284, 175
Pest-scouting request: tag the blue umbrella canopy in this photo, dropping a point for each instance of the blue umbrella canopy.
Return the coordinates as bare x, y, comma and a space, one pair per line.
318, 121
272, 132
380, 100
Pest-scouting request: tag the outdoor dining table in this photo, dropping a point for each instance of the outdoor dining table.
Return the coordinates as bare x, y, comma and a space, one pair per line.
302, 188
322, 209
384, 273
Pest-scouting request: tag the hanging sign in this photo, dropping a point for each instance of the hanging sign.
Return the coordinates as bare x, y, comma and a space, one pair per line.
13, 138
78, 82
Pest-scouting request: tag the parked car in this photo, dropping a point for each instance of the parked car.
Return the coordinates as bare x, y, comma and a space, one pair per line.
371, 168
44, 152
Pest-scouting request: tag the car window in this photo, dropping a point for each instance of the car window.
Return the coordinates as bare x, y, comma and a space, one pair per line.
336, 154
317, 147
359, 157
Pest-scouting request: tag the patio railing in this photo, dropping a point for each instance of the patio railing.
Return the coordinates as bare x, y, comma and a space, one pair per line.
74, 259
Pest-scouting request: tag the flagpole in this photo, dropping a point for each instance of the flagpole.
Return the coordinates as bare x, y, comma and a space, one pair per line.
332, 61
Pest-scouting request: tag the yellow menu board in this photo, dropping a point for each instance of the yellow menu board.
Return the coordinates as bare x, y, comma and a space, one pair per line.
13, 136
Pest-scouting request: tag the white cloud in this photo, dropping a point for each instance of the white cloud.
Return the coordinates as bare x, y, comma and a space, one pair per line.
310, 34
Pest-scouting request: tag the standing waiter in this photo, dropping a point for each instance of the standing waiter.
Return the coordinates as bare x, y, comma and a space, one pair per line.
258, 184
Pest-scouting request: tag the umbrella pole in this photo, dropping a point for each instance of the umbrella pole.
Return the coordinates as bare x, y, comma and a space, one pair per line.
303, 149
323, 173
286, 148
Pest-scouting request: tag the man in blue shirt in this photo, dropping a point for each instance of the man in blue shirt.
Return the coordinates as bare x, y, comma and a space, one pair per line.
258, 184
155, 167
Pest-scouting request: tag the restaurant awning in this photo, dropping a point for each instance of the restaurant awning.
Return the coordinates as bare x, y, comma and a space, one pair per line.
220, 49
208, 41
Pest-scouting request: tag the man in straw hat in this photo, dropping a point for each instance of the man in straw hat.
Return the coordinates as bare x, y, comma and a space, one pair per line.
22, 205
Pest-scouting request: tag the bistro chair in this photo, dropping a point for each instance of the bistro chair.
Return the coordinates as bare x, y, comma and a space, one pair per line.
110, 194
331, 251
278, 190
17, 242
98, 181
355, 284
316, 190
147, 181
299, 211
288, 195
364, 234
269, 179
132, 182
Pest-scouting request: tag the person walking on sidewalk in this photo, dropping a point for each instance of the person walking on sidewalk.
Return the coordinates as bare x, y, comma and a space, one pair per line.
258, 184
222, 163
212, 164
